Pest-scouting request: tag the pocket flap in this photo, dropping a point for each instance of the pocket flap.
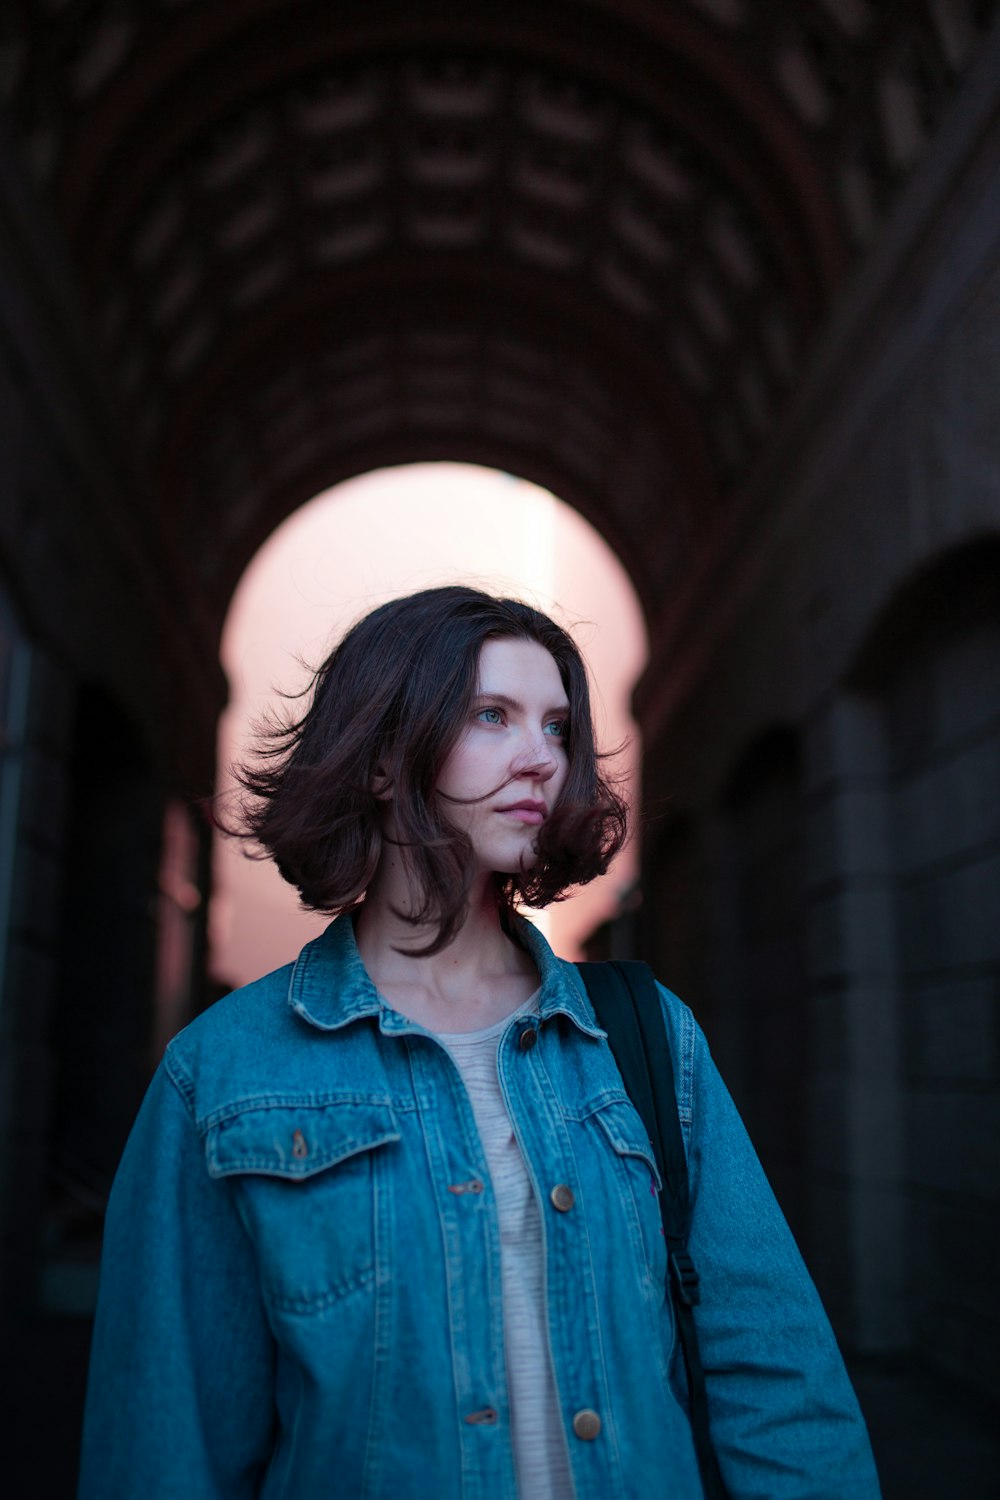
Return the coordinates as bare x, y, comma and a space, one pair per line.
297, 1140
622, 1124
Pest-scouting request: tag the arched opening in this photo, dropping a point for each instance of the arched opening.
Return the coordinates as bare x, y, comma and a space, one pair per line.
373, 538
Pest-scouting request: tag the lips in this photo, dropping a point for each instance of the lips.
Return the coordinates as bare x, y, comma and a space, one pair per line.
530, 812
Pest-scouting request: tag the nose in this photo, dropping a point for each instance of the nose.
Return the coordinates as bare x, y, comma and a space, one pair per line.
537, 760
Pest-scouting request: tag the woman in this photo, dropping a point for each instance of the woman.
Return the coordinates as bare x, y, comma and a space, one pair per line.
387, 1225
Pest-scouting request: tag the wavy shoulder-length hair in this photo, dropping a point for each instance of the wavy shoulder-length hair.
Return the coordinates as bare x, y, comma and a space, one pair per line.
386, 708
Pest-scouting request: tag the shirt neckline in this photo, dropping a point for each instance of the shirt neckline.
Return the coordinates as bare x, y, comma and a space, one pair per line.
486, 1032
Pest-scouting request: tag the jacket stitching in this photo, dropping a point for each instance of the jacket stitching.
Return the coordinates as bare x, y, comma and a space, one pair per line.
324, 1299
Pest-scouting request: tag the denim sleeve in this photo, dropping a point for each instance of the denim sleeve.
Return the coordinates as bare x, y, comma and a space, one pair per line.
180, 1396
784, 1418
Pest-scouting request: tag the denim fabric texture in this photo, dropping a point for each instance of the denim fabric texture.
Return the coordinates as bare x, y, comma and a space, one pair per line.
300, 1290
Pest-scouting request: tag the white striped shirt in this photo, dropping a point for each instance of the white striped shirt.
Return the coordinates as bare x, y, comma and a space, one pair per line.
540, 1455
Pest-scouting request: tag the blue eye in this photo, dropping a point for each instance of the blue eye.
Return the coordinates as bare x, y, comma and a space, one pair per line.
558, 728
490, 716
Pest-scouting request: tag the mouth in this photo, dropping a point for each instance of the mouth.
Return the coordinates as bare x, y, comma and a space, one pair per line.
529, 812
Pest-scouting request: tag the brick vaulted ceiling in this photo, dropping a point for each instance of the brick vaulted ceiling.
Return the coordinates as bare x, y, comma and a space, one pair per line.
589, 241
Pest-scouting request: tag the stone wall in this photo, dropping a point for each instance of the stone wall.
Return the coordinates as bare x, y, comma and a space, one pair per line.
86, 762
832, 765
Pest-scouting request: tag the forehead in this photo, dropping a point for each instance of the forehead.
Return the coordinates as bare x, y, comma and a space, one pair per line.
518, 667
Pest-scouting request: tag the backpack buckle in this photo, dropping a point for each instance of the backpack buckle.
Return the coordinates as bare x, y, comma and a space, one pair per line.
684, 1278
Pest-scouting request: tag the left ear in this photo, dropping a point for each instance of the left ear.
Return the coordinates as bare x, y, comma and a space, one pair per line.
381, 785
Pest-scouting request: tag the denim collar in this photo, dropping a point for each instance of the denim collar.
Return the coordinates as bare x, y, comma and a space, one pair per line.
330, 986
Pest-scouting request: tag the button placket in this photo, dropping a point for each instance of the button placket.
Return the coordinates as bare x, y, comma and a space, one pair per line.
566, 1239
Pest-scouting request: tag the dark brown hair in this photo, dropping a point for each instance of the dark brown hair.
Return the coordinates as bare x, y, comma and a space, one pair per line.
391, 701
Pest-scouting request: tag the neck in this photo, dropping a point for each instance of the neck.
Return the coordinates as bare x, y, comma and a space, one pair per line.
481, 974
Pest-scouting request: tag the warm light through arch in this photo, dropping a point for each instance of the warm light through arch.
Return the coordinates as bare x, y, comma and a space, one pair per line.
374, 538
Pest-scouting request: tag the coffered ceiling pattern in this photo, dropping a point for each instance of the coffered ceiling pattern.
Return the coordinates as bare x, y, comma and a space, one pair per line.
593, 243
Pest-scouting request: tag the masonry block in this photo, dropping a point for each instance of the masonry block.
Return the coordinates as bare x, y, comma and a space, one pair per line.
953, 1141
949, 917
852, 932
829, 1255
949, 808
855, 1128
827, 1031
874, 1038
966, 672
952, 1030
828, 1127
964, 1346
846, 738
877, 1218
847, 835
962, 1244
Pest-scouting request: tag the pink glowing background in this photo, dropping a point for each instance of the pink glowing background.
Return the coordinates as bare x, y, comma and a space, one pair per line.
374, 538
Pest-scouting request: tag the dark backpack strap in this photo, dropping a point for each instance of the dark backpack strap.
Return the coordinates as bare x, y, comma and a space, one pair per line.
627, 1004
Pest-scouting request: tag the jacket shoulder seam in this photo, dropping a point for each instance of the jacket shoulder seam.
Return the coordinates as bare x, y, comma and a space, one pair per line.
181, 1080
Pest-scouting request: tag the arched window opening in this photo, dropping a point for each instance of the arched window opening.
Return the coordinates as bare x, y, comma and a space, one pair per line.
374, 538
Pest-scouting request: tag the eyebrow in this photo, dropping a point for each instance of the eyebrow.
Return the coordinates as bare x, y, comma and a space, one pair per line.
503, 700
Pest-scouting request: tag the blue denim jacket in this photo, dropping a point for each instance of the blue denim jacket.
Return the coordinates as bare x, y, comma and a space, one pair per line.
298, 1299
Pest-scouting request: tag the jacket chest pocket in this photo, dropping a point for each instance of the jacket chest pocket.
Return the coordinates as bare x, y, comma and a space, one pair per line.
311, 1183
638, 1182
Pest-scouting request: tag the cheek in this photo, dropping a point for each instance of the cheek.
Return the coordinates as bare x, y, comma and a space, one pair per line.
470, 771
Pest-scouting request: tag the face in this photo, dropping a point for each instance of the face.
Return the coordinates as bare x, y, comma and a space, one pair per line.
510, 763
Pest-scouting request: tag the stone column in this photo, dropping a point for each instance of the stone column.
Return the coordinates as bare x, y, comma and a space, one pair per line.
37, 704
855, 1116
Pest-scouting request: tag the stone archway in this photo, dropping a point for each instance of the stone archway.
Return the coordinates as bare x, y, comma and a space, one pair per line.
379, 536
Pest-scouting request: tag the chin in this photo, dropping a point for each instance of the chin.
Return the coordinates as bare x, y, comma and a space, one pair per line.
505, 857
516, 866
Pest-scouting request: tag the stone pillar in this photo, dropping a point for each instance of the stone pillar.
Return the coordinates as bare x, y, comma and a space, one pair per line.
37, 707
856, 1143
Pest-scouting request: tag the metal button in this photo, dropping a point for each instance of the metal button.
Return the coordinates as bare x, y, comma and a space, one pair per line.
562, 1197
528, 1039
299, 1146
586, 1424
